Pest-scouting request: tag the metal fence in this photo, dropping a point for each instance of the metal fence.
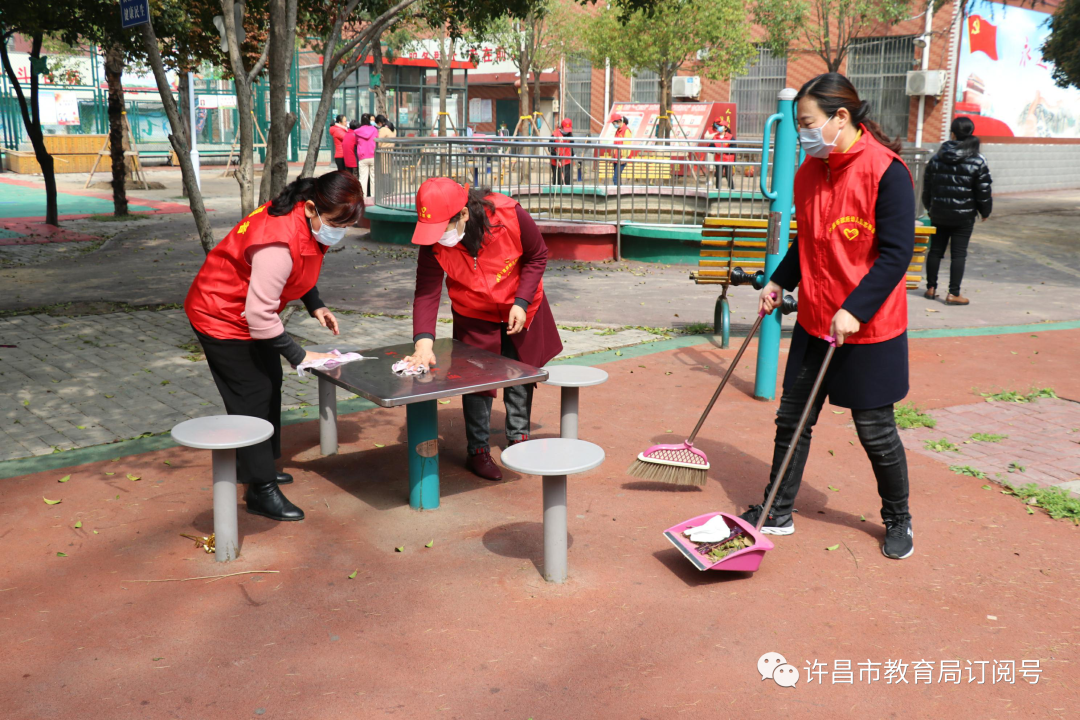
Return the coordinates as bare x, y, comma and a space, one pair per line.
643, 182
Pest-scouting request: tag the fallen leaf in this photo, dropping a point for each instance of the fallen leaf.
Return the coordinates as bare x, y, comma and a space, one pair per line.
986, 487
991, 617
60, 554
667, 373
400, 549
95, 532
837, 412
618, 353
157, 659
444, 402
116, 498
78, 524
81, 427
64, 479
834, 489
168, 463
352, 576
669, 431
110, 473
51, 502
134, 478
110, 396
862, 518
430, 544
929, 310
832, 453
379, 445
833, 547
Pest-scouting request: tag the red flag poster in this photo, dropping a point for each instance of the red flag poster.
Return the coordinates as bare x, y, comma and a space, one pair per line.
982, 36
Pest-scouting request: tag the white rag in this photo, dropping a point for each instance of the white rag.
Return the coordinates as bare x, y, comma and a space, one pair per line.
402, 369
715, 530
332, 362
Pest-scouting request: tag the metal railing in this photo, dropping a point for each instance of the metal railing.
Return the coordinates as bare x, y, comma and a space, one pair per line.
643, 182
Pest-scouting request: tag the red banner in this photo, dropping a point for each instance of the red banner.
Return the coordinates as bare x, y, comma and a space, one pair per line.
982, 36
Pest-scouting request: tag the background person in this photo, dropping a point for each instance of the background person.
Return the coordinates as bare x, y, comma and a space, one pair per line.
493, 258
365, 153
272, 257
386, 131
622, 131
956, 190
337, 132
348, 148
562, 152
855, 207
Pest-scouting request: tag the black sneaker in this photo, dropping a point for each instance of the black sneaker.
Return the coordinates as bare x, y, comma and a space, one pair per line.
899, 539
774, 525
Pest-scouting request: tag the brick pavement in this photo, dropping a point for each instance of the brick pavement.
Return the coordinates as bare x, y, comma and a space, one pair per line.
1043, 437
74, 382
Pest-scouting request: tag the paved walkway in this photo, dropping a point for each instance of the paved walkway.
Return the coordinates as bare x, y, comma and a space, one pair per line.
73, 382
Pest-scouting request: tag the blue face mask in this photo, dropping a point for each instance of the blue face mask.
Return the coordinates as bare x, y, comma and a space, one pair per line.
327, 235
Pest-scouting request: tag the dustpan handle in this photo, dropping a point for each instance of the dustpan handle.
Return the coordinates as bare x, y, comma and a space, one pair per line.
727, 376
798, 434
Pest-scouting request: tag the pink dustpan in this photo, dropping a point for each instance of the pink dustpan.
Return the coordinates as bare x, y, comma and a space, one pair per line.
745, 560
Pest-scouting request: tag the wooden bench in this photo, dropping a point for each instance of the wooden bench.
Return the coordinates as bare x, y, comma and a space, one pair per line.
733, 253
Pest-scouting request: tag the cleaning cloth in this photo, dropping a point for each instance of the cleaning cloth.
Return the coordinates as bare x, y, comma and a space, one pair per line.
332, 362
402, 369
715, 530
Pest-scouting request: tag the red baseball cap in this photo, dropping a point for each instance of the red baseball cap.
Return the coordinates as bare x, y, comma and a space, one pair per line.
567, 124
438, 201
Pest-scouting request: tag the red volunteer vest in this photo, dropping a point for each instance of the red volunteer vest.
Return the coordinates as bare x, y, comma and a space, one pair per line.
485, 287
215, 302
563, 152
835, 210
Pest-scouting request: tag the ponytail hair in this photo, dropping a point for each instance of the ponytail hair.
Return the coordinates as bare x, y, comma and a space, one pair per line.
337, 196
832, 91
479, 224
963, 128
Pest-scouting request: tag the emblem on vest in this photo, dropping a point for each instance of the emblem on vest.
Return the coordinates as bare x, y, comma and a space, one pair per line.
850, 233
506, 270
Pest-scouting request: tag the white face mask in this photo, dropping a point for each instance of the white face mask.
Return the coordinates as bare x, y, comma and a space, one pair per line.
450, 238
327, 235
814, 143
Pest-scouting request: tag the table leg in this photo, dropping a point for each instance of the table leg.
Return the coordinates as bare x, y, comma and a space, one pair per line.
422, 426
569, 408
226, 534
555, 533
328, 417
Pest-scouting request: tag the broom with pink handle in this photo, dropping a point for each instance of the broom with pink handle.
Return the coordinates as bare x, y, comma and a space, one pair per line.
682, 463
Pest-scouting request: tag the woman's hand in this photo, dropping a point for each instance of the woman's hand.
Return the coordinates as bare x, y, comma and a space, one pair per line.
843, 325
516, 323
309, 356
769, 299
422, 356
327, 320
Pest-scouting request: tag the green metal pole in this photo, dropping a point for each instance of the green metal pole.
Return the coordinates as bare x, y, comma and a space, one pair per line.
781, 197
422, 428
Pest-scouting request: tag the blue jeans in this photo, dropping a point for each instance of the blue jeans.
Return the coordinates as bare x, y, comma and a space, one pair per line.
616, 171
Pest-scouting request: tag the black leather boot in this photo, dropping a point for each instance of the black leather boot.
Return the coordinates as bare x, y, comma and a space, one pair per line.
283, 478
266, 499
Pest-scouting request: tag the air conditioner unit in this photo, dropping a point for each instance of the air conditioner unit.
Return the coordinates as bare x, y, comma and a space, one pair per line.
925, 82
686, 87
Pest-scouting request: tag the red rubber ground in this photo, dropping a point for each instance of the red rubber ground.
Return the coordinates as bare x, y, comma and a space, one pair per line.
468, 629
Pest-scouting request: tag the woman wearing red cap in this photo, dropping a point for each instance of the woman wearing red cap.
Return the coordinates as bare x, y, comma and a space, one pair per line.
272, 257
562, 153
493, 257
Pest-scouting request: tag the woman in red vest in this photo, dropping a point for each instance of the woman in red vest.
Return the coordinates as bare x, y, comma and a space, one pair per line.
855, 207
272, 257
493, 257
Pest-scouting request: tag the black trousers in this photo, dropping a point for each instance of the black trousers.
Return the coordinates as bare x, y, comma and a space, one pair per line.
877, 433
248, 376
561, 174
958, 237
518, 402
727, 171
340, 162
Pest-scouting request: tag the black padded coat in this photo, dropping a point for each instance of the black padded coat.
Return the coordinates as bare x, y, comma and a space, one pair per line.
956, 186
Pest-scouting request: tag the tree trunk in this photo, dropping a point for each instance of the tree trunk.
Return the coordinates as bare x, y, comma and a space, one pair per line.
265, 183
318, 123
180, 147
31, 115
183, 94
536, 91
377, 70
523, 96
445, 63
114, 69
663, 128
245, 166
282, 43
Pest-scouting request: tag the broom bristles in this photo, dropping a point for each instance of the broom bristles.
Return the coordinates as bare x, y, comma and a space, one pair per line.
671, 474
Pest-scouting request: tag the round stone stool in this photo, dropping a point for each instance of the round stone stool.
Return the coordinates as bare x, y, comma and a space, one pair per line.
570, 378
223, 434
553, 459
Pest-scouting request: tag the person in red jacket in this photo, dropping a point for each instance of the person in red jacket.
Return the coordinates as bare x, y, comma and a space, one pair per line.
337, 132
562, 153
348, 149
272, 257
718, 134
855, 207
493, 258
622, 131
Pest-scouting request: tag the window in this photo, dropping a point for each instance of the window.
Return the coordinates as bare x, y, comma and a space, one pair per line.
645, 87
878, 68
754, 92
579, 94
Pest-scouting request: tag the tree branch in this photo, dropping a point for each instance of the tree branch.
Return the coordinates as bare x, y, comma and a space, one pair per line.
259, 64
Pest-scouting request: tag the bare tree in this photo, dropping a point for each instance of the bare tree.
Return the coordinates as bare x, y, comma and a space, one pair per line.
281, 44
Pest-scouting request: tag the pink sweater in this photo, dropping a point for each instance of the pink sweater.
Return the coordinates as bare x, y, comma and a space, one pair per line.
270, 268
